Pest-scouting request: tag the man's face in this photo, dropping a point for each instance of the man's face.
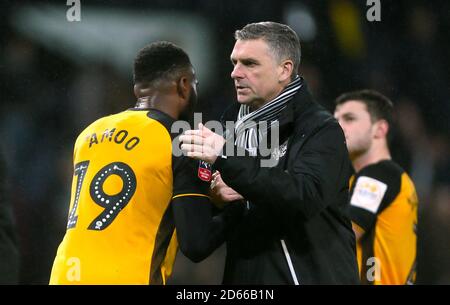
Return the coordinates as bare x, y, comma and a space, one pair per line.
357, 125
256, 72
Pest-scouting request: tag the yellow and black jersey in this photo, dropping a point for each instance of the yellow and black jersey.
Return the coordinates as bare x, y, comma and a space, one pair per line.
383, 202
120, 227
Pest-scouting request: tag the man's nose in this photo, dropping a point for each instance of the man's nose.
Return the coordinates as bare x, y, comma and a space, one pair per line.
343, 127
339, 122
236, 73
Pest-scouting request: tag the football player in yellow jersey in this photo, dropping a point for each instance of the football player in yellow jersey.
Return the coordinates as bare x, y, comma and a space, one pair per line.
130, 192
383, 200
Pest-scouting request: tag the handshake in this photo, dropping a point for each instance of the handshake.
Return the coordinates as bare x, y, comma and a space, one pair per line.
203, 144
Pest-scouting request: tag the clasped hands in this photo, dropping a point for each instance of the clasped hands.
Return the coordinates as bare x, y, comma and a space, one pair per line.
203, 144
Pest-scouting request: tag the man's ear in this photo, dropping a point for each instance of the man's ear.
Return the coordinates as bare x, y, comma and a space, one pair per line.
142, 89
136, 91
183, 87
286, 70
381, 129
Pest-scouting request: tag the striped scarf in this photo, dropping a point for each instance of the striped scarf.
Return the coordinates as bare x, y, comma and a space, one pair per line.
248, 133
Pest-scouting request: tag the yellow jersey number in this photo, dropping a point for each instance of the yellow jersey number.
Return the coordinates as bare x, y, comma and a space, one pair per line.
112, 204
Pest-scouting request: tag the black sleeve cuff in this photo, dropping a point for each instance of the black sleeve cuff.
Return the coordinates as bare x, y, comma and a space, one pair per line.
220, 162
362, 218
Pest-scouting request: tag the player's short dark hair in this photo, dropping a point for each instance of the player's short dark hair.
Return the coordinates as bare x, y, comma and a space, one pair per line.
282, 40
378, 105
160, 60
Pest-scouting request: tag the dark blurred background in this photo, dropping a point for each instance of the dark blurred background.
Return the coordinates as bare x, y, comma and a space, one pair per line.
58, 76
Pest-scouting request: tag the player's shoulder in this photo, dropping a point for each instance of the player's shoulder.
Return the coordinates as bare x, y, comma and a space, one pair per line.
386, 171
164, 119
97, 124
376, 186
107, 119
385, 175
173, 127
170, 127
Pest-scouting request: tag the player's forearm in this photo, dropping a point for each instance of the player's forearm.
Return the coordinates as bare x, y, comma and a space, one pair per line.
199, 232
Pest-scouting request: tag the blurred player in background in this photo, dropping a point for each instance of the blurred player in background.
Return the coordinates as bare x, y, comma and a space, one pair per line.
383, 200
129, 192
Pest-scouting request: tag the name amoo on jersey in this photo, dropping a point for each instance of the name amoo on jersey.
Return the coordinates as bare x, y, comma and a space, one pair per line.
111, 135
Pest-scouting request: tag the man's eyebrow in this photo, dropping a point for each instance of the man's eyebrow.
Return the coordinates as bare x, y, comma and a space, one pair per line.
348, 114
247, 60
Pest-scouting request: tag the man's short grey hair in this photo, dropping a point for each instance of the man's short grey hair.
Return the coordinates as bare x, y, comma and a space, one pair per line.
282, 40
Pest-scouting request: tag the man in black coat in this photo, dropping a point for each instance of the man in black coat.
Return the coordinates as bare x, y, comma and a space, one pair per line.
292, 227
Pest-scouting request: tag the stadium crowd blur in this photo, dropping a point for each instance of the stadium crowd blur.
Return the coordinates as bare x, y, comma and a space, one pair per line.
47, 98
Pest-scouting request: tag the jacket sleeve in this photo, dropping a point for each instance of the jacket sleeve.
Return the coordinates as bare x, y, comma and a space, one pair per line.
313, 182
199, 231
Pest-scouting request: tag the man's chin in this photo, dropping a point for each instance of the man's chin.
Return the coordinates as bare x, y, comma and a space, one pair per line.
354, 154
243, 100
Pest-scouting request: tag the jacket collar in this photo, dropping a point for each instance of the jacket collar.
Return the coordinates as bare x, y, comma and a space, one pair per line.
296, 106
295, 116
